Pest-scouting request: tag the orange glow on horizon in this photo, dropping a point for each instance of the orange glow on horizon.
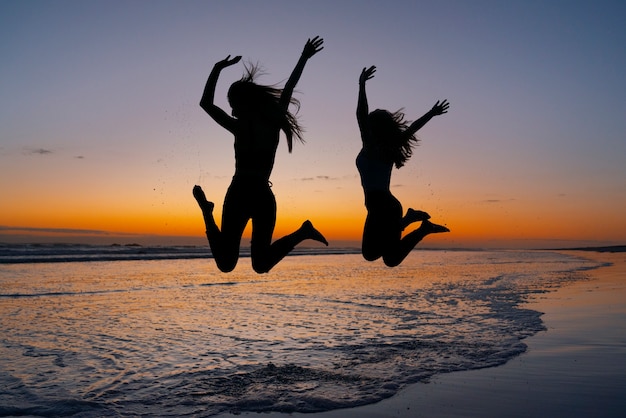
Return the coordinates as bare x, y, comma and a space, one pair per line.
180, 217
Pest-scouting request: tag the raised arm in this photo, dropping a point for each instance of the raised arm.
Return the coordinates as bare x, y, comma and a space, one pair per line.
206, 102
312, 47
362, 108
437, 109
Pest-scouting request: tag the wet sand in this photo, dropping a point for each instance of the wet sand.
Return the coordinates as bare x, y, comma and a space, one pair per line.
576, 368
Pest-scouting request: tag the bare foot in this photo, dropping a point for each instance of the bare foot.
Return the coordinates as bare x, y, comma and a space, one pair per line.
205, 205
312, 233
413, 215
430, 228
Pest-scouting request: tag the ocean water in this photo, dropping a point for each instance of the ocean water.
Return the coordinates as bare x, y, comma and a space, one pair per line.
170, 335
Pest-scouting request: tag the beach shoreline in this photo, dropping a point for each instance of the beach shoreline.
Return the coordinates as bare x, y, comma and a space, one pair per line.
573, 369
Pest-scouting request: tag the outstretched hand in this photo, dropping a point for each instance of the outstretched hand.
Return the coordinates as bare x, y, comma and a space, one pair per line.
227, 62
440, 108
367, 74
313, 46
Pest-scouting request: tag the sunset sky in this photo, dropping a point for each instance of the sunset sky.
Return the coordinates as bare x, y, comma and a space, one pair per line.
102, 138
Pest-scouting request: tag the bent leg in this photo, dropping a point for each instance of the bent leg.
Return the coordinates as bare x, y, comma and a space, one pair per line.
412, 216
399, 252
265, 258
374, 238
383, 225
224, 244
265, 254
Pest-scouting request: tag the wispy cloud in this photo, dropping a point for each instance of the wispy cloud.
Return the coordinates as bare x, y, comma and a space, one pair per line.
37, 151
325, 178
4, 228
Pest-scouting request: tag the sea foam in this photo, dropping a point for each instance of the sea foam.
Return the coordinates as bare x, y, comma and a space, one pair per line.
176, 337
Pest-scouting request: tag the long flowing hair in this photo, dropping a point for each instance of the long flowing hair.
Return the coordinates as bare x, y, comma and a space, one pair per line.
264, 100
389, 136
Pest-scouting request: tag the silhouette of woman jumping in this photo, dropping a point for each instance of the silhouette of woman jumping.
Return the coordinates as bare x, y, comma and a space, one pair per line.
388, 140
259, 113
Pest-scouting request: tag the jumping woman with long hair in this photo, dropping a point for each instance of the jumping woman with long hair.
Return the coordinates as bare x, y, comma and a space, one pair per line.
388, 140
259, 113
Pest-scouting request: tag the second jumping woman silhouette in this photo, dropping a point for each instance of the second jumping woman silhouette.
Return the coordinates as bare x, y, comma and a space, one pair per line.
388, 140
259, 113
